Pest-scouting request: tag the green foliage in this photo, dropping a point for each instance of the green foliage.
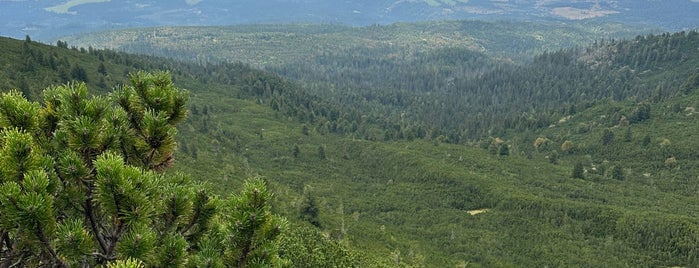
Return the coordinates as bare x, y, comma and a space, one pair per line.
691, 84
640, 114
154, 107
607, 137
405, 202
296, 152
321, 152
73, 241
382, 190
306, 247
392, 70
138, 243
102, 69
252, 227
578, 171
646, 140
17, 111
553, 157
308, 208
618, 173
628, 135
78, 73
127, 263
82, 184
504, 150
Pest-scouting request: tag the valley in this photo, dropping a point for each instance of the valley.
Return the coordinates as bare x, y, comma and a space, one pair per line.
436, 144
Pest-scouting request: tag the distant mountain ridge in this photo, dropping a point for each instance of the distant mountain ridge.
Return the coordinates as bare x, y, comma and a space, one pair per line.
272, 45
47, 20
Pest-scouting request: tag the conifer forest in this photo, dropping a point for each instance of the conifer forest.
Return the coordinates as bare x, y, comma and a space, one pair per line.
431, 143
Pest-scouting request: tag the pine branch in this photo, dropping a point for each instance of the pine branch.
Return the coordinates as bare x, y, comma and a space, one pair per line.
200, 218
18, 262
102, 256
149, 159
9, 243
47, 245
244, 255
90, 213
115, 238
88, 155
117, 232
191, 223
247, 248
65, 185
95, 225
162, 165
116, 235
125, 152
6, 260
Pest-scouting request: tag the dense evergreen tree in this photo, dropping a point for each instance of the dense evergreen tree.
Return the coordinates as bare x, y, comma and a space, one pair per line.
646, 140
618, 173
321, 152
607, 137
504, 150
553, 157
308, 209
78, 73
628, 135
296, 152
102, 69
82, 185
578, 171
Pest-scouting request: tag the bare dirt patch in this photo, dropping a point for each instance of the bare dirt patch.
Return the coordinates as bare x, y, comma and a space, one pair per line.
477, 211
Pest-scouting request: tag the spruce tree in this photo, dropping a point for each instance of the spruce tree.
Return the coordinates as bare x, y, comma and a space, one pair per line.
82, 184
578, 171
308, 209
607, 137
618, 173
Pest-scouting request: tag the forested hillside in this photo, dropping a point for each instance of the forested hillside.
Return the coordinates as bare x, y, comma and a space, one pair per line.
97, 141
408, 74
577, 157
295, 44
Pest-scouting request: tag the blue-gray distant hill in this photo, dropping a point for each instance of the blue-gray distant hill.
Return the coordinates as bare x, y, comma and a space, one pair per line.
47, 20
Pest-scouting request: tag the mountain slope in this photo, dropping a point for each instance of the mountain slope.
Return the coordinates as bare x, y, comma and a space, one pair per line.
33, 65
420, 201
531, 202
461, 80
